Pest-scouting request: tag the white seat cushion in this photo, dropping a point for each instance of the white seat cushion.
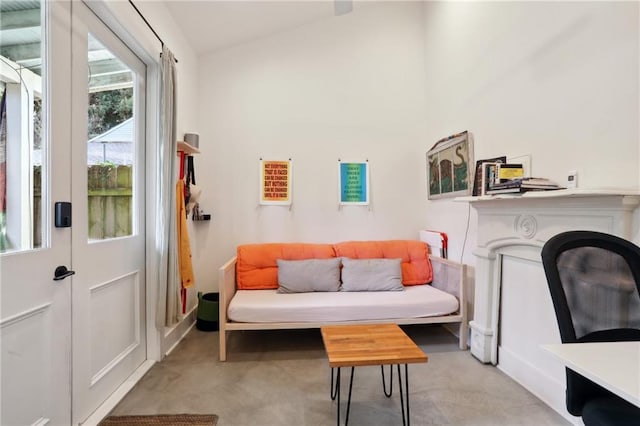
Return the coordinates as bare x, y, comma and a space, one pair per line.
265, 306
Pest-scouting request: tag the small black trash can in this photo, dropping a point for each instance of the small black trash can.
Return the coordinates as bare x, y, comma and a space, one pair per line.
207, 318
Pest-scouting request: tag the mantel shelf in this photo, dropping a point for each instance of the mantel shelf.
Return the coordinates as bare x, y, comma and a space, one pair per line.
186, 148
560, 193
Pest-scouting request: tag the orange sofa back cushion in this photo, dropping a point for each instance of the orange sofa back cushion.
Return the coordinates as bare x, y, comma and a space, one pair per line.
257, 269
416, 266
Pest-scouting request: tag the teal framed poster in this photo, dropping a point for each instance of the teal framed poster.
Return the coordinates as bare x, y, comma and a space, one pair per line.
354, 182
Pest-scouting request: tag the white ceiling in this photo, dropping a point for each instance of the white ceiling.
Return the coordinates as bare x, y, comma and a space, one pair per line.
208, 25
213, 25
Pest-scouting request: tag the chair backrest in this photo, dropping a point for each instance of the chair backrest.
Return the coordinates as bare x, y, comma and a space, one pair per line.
594, 280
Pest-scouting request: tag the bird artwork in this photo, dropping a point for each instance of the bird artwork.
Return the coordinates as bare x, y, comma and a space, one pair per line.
448, 166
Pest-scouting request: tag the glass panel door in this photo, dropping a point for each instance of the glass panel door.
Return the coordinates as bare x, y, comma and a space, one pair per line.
35, 152
108, 241
111, 143
21, 110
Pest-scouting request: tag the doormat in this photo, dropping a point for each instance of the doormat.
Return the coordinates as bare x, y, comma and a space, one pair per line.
162, 420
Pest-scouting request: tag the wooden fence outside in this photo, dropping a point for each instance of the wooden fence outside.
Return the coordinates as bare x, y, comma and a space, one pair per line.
110, 202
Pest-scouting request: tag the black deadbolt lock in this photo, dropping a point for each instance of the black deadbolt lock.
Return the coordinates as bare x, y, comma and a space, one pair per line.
63, 214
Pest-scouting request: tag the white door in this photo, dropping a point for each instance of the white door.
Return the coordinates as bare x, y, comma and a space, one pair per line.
67, 344
35, 314
108, 243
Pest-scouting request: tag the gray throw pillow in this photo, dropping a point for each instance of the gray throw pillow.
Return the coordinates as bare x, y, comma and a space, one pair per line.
301, 276
371, 274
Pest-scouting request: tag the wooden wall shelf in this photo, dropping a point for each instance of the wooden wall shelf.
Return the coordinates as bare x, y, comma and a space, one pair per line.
187, 149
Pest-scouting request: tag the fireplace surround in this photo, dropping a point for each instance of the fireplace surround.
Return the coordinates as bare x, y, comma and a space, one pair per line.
513, 312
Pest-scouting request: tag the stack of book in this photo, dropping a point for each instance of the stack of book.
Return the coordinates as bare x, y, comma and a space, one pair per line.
495, 173
479, 186
519, 185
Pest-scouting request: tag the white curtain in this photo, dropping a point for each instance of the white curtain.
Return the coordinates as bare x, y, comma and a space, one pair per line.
168, 307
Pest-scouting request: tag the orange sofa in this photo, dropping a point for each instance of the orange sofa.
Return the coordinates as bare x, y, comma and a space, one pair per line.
255, 267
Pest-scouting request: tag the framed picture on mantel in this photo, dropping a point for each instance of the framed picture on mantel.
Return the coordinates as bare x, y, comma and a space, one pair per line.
449, 171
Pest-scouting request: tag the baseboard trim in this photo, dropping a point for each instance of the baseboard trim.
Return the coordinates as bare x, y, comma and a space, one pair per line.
174, 335
545, 383
180, 339
110, 403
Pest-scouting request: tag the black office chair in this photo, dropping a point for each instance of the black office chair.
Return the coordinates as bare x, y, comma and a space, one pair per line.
594, 280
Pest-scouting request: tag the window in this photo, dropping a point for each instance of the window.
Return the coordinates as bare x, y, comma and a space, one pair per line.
110, 144
21, 142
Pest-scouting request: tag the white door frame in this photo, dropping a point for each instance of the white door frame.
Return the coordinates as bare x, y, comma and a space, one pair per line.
119, 17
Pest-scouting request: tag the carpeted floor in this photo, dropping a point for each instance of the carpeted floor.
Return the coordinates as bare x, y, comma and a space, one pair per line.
162, 420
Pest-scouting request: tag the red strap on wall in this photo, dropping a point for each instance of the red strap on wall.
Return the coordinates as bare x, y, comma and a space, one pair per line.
181, 154
183, 291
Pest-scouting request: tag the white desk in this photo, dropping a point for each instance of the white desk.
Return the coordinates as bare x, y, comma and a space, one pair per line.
614, 366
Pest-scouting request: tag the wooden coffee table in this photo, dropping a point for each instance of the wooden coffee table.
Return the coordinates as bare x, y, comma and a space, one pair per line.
371, 344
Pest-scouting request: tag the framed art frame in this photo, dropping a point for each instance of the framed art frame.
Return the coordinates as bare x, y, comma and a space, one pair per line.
275, 182
449, 171
353, 182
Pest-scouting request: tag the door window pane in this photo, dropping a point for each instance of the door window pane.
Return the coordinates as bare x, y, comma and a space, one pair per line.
110, 144
22, 147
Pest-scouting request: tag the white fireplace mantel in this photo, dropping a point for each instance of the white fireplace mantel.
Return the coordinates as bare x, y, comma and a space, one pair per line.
513, 312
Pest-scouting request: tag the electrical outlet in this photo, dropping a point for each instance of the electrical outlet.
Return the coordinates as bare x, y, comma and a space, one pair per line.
572, 179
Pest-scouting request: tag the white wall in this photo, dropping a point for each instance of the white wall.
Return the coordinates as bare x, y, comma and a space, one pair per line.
558, 81
349, 87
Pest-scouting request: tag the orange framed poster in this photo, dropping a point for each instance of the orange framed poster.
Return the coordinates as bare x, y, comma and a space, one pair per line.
275, 182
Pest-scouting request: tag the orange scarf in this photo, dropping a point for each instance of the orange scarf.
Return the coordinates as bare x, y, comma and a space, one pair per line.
184, 247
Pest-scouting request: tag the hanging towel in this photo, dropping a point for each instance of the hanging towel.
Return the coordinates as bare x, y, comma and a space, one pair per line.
184, 247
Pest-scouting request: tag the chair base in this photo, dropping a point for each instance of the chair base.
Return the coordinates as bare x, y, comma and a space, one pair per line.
610, 411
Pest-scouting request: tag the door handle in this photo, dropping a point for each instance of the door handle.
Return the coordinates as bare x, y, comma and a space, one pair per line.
61, 273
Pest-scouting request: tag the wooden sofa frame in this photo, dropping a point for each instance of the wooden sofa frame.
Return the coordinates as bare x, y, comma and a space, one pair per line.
448, 276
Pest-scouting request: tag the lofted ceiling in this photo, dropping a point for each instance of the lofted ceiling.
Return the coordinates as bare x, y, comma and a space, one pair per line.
208, 26
214, 25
